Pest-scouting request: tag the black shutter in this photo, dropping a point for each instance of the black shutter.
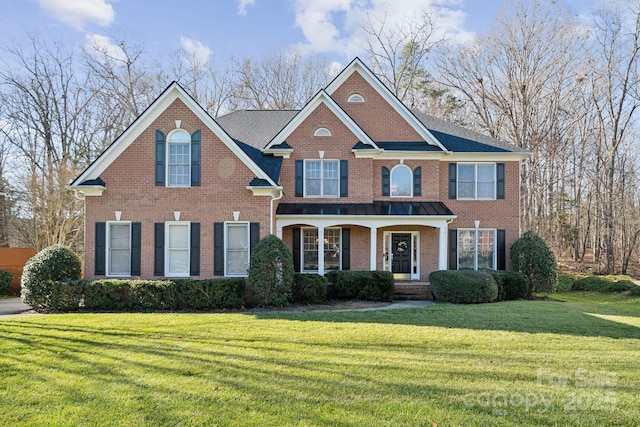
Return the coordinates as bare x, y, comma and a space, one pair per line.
344, 178
453, 168
160, 155
295, 252
195, 159
218, 248
417, 181
194, 261
254, 234
501, 250
299, 178
453, 249
346, 249
386, 185
101, 248
500, 181
158, 249
136, 241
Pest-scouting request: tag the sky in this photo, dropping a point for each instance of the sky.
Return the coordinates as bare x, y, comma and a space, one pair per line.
212, 29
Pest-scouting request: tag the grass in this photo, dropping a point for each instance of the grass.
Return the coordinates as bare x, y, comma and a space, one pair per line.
572, 360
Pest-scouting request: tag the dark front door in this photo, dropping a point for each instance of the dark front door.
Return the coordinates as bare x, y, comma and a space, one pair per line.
401, 247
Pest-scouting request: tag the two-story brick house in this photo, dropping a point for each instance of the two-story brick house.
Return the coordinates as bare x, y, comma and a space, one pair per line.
354, 180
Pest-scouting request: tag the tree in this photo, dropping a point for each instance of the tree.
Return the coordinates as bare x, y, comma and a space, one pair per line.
271, 272
531, 256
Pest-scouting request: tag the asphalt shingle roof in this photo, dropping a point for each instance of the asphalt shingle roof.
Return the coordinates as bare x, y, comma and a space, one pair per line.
255, 127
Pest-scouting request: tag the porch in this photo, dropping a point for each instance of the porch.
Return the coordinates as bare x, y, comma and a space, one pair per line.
412, 291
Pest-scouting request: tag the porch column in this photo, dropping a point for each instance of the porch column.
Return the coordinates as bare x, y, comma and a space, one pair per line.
321, 251
278, 231
442, 248
372, 248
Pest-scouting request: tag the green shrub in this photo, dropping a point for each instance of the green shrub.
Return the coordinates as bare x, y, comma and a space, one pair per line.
565, 282
271, 272
634, 292
107, 294
41, 272
512, 285
531, 255
309, 288
602, 284
209, 294
149, 295
362, 285
5, 282
463, 286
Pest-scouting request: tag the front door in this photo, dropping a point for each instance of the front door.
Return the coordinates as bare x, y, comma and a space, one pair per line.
401, 252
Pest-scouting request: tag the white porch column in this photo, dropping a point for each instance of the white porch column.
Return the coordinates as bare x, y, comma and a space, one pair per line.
321, 251
278, 231
372, 248
442, 248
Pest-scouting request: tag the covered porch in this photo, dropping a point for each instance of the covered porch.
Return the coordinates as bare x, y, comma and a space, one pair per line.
407, 238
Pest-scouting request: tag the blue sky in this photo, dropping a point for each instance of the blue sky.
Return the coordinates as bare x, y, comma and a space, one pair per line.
240, 28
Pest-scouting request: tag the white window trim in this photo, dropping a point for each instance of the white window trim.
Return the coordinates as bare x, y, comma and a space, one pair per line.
304, 179
167, 226
167, 166
108, 249
355, 98
391, 181
322, 132
475, 180
226, 247
302, 230
475, 245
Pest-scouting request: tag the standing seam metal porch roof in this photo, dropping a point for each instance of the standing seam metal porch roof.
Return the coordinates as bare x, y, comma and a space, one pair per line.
377, 208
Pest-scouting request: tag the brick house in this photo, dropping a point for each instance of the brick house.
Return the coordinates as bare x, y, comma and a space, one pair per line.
354, 180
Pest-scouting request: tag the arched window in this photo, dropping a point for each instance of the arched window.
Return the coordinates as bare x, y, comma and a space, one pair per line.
322, 132
179, 156
356, 97
401, 181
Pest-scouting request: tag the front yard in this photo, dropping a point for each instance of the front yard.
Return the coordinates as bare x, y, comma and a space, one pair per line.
572, 360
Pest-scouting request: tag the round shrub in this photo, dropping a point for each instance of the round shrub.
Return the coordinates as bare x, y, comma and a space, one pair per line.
44, 271
309, 288
5, 282
463, 286
271, 272
531, 256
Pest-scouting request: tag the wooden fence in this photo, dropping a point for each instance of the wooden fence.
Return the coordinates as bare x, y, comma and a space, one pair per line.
14, 259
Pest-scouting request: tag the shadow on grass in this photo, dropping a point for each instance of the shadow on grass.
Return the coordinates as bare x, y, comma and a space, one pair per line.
613, 320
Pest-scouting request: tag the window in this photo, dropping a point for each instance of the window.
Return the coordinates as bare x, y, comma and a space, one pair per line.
322, 178
177, 249
356, 97
179, 154
401, 181
237, 249
119, 248
477, 181
332, 243
476, 249
322, 132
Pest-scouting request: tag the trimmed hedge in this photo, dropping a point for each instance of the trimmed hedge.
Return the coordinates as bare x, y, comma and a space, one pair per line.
602, 284
463, 286
142, 295
5, 282
512, 285
362, 285
309, 288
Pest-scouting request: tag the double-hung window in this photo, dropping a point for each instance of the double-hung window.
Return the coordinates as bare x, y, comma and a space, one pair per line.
476, 181
476, 249
237, 245
322, 178
119, 249
179, 155
177, 249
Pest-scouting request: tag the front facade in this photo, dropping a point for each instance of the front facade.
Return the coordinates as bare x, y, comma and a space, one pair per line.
354, 180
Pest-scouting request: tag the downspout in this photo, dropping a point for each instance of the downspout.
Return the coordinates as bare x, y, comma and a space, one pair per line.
271, 211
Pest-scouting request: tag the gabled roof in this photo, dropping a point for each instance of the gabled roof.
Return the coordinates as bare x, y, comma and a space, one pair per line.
322, 97
173, 92
255, 127
357, 66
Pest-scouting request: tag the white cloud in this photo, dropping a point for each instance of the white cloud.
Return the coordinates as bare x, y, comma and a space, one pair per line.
79, 13
197, 50
103, 48
242, 6
336, 25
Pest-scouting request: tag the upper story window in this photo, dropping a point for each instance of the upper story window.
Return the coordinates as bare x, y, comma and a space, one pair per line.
477, 181
401, 181
322, 132
322, 178
356, 97
179, 159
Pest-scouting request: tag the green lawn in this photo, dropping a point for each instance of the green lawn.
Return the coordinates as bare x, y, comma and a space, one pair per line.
573, 360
